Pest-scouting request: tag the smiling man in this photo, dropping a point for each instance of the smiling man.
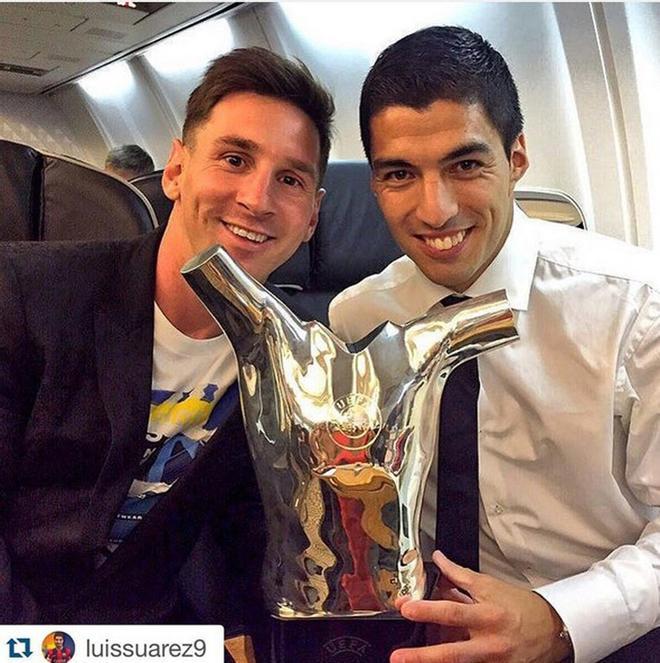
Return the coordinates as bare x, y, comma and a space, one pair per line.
448, 201
127, 490
562, 517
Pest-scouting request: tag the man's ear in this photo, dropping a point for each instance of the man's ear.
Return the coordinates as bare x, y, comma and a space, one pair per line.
313, 222
172, 171
518, 159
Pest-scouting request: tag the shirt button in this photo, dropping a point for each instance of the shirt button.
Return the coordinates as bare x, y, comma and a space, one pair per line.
498, 509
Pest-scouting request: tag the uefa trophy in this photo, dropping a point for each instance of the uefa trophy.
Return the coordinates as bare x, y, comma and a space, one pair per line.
342, 438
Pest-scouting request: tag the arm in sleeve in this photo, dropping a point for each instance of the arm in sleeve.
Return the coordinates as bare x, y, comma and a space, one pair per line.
16, 603
617, 600
337, 318
221, 582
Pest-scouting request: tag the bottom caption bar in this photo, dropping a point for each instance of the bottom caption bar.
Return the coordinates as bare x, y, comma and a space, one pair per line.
116, 644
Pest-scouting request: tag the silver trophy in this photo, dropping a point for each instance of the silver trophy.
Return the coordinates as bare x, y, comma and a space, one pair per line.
342, 438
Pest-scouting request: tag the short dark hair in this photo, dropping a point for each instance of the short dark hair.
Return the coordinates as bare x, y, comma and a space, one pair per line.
261, 71
442, 62
130, 159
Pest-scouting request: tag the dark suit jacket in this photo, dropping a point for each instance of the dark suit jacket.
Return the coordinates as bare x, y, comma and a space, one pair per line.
76, 337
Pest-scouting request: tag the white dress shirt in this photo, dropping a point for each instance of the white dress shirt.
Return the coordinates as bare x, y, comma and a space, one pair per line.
569, 422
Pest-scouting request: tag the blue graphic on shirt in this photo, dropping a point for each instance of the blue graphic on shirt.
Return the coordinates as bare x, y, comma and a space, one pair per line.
166, 459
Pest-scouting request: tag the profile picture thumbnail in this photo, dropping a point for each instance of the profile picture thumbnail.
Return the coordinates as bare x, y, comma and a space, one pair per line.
58, 647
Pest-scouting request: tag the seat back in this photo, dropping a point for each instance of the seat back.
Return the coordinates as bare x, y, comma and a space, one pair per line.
151, 187
20, 184
550, 205
46, 196
352, 240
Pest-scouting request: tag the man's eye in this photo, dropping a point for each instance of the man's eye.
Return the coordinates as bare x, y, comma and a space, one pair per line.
289, 180
466, 166
396, 175
234, 160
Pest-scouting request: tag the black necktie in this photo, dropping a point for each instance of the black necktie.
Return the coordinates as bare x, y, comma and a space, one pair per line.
457, 520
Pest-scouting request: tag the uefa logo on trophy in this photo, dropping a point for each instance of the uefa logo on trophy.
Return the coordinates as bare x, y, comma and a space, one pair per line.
357, 423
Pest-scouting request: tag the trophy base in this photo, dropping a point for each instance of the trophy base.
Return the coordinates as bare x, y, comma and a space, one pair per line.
352, 640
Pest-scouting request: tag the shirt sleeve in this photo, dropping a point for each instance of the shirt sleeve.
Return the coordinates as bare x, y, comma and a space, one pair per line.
336, 318
617, 600
345, 318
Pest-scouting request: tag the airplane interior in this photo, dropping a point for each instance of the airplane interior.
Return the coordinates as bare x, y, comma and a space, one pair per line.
80, 78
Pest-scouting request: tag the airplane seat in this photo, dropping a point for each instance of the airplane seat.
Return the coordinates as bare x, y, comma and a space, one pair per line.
20, 180
550, 205
352, 241
82, 202
150, 185
51, 197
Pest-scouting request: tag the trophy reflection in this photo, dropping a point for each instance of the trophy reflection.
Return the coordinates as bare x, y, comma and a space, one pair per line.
342, 438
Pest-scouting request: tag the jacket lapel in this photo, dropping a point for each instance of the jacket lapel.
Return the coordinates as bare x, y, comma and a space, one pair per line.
124, 347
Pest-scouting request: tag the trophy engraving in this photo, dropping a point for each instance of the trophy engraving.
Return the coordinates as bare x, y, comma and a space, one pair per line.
342, 438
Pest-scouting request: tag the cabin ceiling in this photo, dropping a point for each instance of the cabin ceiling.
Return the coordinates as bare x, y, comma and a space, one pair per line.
46, 44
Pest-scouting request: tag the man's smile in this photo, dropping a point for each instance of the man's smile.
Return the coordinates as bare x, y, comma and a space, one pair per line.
253, 236
445, 242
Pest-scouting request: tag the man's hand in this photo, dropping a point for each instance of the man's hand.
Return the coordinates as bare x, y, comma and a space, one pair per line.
496, 622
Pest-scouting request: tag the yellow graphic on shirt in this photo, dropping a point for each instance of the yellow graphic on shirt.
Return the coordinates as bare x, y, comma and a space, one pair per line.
189, 411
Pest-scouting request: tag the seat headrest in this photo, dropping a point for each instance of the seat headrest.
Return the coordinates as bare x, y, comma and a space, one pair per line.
352, 240
80, 202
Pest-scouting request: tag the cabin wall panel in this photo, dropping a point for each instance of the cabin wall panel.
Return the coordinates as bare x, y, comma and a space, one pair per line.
177, 65
643, 96
38, 122
148, 108
583, 58
130, 112
176, 78
85, 132
619, 67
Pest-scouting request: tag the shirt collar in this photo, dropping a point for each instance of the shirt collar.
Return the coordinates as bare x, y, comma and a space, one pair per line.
511, 270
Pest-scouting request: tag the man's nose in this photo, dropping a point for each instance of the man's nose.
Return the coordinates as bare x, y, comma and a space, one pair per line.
255, 193
437, 203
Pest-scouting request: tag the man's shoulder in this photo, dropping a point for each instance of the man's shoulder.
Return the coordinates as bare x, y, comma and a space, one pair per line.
394, 277
393, 294
593, 253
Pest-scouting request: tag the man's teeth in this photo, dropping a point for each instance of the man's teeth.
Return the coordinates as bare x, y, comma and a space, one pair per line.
444, 243
241, 232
